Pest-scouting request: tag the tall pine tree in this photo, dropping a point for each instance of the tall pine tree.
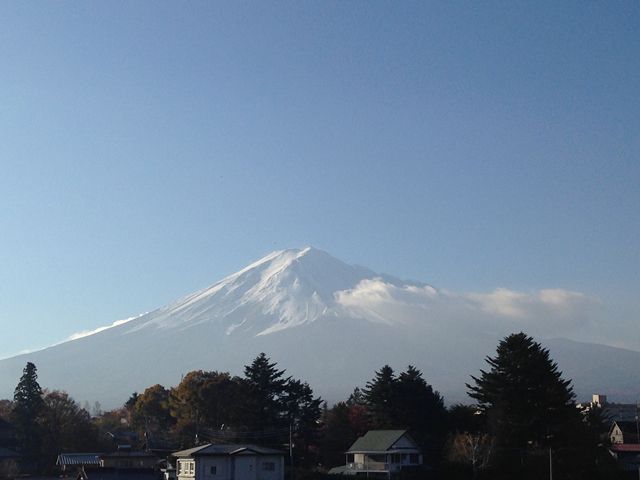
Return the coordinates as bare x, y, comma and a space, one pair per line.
528, 406
421, 409
28, 407
380, 396
266, 387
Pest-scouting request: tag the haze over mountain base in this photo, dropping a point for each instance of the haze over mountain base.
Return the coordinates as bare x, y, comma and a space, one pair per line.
326, 322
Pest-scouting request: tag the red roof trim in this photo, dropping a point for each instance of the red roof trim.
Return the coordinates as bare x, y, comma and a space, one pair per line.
626, 447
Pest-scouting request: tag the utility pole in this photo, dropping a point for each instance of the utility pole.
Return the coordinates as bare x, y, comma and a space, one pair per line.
550, 465
291, 449
637, 427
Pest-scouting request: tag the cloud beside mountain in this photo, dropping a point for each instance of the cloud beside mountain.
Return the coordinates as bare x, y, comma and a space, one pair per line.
546, 312
332, 324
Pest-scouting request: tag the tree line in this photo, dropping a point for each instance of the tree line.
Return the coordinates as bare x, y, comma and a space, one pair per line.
525, 416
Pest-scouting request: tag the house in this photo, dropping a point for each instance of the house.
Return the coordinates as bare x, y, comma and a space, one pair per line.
129, 459
120, 465
624, 432
382, 453
229, 462
73, 462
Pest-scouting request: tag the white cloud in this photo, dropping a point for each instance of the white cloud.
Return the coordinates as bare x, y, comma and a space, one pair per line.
544, 312
386, 303
86, 333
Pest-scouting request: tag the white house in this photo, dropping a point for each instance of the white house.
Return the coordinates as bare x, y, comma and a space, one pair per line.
382, 453
624, 432
229, 462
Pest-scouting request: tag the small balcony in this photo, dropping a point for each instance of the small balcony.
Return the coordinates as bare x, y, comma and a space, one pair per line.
369, 467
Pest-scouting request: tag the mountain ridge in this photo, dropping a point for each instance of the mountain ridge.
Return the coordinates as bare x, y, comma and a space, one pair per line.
325, 321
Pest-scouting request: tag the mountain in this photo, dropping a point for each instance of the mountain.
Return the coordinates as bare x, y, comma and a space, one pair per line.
326, 322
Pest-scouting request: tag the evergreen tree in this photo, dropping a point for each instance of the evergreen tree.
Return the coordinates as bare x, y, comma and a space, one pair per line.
266, 385
380, 395
356, 397
420, 409
526, 403
28, 407
418, 404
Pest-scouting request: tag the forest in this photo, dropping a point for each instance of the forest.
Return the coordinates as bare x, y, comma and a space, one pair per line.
524, 413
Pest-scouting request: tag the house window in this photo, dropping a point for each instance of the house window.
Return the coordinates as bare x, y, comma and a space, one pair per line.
396, 458
192, 467
269, 466
213, 470
350, 458
414, 458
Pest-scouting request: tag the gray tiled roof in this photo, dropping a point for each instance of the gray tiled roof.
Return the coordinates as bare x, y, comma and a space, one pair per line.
377, 440
228, 449
78, 459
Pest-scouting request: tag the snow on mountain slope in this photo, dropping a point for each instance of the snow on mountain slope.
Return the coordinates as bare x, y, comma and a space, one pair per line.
284, 289
327, 322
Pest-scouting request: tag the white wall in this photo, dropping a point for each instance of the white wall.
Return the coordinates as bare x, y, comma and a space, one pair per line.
240, 467
276, 474
222, 464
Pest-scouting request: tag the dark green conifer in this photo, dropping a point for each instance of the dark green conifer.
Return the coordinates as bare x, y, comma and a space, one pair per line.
380, 395
266, 386
28, 406
527, 405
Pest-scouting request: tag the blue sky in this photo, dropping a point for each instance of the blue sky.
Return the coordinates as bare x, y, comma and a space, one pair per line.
150, 148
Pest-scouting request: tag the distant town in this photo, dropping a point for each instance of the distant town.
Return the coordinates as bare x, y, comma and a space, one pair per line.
266, 425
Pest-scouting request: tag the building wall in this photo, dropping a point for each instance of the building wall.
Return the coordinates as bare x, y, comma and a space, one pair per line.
616, 435
269, 467
220, 465
239, 467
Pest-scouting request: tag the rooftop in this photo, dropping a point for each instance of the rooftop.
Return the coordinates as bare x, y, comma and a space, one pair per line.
377, 440
228, 449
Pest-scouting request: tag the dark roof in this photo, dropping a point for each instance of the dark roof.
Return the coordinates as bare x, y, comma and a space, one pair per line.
122, 474
228, 449
377, 440
78, 459
127, 454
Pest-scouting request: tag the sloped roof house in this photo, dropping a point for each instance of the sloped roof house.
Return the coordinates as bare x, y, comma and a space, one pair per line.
229, 462
623, 431
382, 453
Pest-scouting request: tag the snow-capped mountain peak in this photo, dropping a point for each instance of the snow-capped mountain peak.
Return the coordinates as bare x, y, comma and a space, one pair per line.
284, 289
323, 320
